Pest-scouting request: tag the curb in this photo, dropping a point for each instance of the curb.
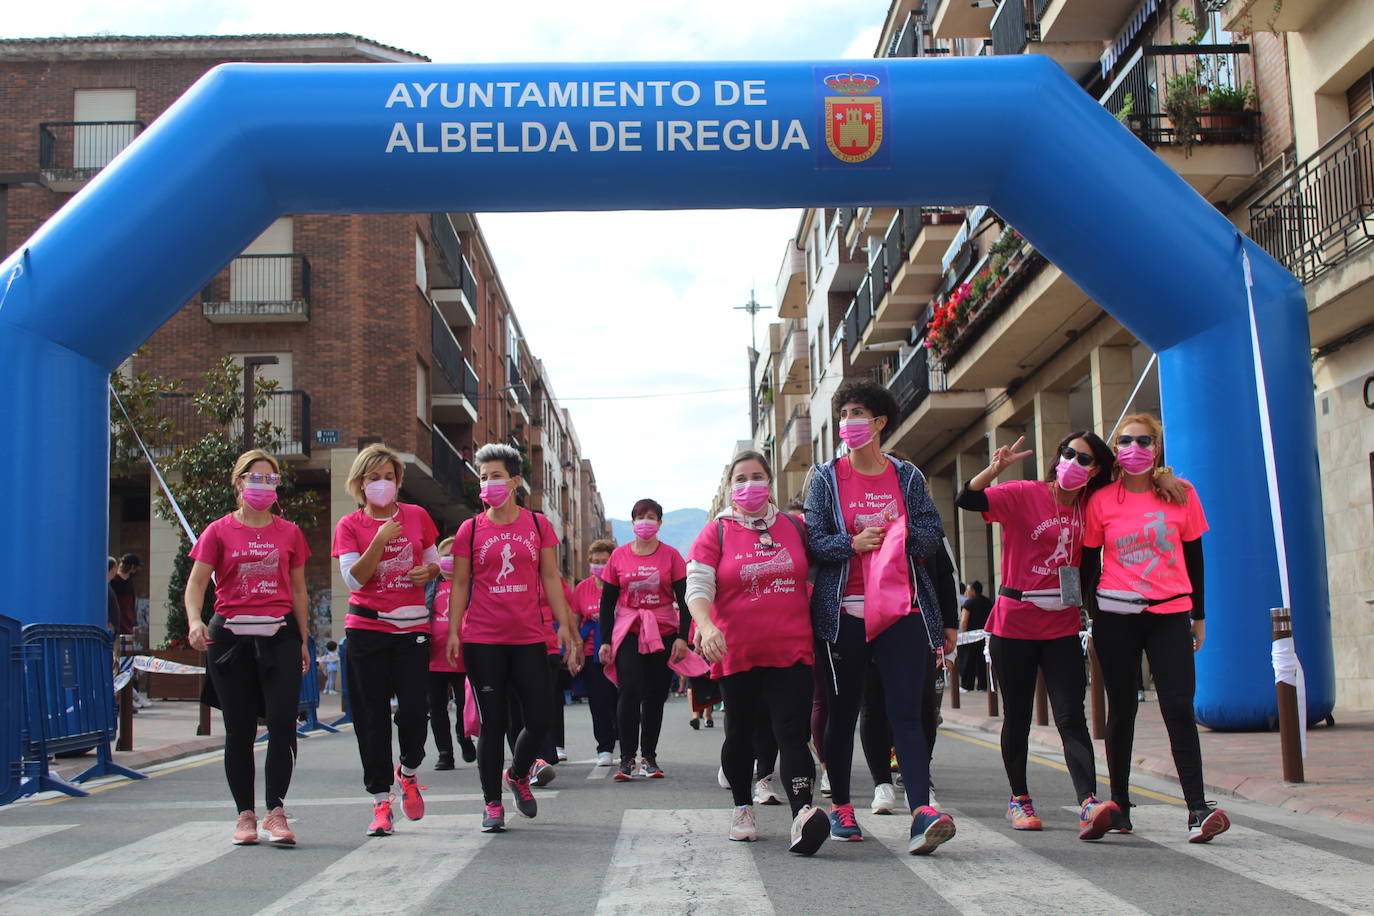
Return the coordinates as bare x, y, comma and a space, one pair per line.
137, 760
1273, 792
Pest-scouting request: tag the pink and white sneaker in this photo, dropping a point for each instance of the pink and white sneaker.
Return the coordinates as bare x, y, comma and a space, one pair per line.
412, 803
275, 830
382, 819
246, 829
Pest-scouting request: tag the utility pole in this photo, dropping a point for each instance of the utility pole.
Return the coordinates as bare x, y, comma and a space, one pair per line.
753, 308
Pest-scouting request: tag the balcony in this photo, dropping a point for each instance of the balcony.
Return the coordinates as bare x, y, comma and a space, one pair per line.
259, 288
1189, 104
1253, 15
795, 364
451, 472
911, 253
1082, 20
454, 385
1008, 28
961, 19
929, 417
1318, 221
287, 414
796, 440
453, 285
859, 318
70, 153
791, 285
519, 391
867, 223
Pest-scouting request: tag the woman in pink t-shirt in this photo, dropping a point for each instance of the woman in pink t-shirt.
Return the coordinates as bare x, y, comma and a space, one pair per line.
386, 556
644, 623
1143, 580
1033, 627
601, 693
255, 642
447, 679
505, 561
746, 588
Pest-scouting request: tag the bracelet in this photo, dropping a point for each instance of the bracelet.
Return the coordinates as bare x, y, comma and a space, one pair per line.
1162, 470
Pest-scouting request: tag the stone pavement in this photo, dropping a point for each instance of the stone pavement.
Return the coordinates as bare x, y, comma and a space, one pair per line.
1339, 768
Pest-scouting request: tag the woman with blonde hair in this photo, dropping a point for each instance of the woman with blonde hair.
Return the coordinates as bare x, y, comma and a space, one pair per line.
255, 642
386, 555
1143, 581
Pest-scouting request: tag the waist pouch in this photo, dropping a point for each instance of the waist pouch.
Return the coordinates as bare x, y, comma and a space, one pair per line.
410, 615
1048, 599
1119, 601
251, 624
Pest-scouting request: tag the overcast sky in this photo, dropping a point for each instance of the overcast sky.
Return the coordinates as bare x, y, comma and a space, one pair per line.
614, 303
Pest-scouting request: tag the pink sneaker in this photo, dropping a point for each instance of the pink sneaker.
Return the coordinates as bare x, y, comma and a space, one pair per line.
246, 830
275, 830
381, 819
524, 798
411, 801
541, 774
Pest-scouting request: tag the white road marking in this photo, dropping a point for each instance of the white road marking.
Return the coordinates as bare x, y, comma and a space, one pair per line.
395, 874
361, 801
1326, 878
600, 772
680, 861
971, 872
123, 873
14, 836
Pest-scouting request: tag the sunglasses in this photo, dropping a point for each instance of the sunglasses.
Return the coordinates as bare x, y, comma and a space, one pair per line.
1072, 454
1144, 441
273, 479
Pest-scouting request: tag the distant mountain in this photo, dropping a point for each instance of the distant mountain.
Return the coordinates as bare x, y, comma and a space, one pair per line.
680, 528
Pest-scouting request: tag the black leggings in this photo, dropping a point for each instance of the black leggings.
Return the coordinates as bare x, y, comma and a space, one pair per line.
500, 674
553, 735
1167, 641
243, 669
644, 682
601, 695
1016, 663
765, 741
442, 685
380, 666
875, 734
780, 695
903, 659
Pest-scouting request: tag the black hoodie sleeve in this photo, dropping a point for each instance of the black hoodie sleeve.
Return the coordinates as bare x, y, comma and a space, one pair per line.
610, 594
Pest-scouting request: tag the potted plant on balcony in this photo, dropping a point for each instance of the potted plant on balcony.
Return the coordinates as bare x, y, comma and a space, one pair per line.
1183, 97
1226, 106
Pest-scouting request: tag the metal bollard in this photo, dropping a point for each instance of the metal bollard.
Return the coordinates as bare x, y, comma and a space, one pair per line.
126, 702
992, 693
203, 724
1042, 700
1290, 734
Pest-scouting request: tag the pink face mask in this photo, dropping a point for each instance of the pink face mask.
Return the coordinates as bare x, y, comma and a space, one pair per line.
495, 493
597, 569
446, 565
380, 493
645, 529
259, 496
856, 433
751, 496
1135, 459
1072, 475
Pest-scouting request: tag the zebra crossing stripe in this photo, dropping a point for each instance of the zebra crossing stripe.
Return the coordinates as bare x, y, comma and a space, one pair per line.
14, 836
125, 872
395, 874
361, 802
679, 861
972, 872
1325, 878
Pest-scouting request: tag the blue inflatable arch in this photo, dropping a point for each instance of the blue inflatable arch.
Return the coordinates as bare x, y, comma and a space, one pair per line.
251, 142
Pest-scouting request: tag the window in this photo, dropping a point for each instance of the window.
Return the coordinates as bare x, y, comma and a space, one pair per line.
105, 125
421, 275
265, 275
422, 391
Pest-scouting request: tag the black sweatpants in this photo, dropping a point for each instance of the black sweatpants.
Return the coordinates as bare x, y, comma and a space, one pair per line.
904, 660
380, 666
601, 696
246, 670
442, 685
783, 696
875, 734
1016, 663
644, 682
553, 735
1167, 641
502, 674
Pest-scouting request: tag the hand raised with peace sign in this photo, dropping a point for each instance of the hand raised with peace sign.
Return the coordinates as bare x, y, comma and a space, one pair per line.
1008, 455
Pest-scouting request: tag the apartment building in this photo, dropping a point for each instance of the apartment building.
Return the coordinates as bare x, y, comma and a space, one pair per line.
382, 327
1262, 107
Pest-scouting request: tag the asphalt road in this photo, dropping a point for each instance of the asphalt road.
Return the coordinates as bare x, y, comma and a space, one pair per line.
161, 846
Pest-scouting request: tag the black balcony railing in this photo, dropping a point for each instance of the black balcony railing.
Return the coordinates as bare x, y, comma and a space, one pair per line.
286, 412
907, 41
1139, 95
1321, 212
995, 304
451, 253
517, 384
911, 384
836, 338
450, 470
863, 308
82, 148
260, 285
456, 374
847, 216
1009, 33
1040, 7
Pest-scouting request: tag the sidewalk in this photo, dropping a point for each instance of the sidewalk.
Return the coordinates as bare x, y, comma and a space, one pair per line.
1339, 767
166, 731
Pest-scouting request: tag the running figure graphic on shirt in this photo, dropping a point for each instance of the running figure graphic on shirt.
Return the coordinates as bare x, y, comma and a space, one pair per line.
1060, 557
772, 568
507, 564
259, 577
391, 572
882, 517
644, 592
1158, 532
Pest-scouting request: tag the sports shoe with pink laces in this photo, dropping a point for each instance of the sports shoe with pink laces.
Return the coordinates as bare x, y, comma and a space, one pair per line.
382, 819
411, 801
542, 773
524, 797
275, 830
246, 830
494, 818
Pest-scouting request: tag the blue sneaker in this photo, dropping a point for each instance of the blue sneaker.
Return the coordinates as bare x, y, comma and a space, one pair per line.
929, 828
843, 825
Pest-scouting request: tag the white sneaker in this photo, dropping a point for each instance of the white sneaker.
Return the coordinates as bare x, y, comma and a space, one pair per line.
764, 793
884, 798
825, 783
933, 803
562, 754
721, 780
810, 830
743, 826
641, 771
603, 759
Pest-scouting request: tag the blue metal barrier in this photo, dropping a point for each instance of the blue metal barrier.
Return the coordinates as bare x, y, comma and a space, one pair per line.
69, 683
347, 717
310, 697
11, 710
